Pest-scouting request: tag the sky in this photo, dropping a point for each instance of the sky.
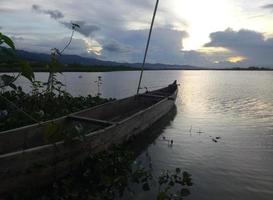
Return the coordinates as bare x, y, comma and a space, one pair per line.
210, 33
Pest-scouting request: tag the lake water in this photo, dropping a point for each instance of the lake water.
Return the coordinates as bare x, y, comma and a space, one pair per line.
236, 106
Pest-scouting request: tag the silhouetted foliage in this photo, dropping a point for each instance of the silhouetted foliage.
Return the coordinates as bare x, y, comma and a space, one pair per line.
40, 106
114, 174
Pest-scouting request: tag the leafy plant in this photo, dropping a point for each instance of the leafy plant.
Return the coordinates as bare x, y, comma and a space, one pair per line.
99, 83
8, 53
53, 85
40, 106
53, 132
6, 40
46, 101
69, 133
174, 185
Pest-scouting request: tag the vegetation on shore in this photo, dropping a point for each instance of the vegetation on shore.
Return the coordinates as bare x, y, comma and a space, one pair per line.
41, 67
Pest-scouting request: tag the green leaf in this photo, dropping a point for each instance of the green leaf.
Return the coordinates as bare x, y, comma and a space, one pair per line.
52, 132
171, 183
146, 187
6, 79
54, 64
8, 41
13, 86
6, 53
74, 25
162, 196
26, 70
187, 179
185, 192
177, 170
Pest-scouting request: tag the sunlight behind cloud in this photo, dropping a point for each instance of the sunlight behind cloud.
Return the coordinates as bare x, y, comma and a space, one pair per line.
212, 50
236, 59
92, 46
203, 18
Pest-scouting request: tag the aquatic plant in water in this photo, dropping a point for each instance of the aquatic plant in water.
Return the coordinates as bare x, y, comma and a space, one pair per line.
114, 174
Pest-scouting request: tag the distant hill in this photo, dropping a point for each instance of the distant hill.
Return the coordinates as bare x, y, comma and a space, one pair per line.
79, 63
75, 59
64, 59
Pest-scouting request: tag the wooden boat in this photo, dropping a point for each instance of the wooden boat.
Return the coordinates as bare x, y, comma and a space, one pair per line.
30, 156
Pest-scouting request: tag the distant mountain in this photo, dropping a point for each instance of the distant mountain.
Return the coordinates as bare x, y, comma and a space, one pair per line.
74, 59
64, 59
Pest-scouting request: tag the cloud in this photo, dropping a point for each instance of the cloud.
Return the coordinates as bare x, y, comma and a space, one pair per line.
128, 46
85, 29
2, 10
77, 47
16, 38
249, 44
120, 33
115, 47
230, 38
268, 6
54, 14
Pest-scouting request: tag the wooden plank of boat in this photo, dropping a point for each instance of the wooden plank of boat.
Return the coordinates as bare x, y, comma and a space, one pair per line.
25, 155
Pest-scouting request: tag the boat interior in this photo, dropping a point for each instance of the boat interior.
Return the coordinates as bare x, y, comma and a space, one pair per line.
80, 123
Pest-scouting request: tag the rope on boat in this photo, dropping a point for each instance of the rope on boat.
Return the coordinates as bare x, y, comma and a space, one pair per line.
147, 45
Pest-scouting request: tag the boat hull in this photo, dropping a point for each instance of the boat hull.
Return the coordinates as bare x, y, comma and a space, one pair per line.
38, 166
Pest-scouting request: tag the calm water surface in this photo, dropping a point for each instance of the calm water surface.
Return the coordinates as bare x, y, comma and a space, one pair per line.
236, 106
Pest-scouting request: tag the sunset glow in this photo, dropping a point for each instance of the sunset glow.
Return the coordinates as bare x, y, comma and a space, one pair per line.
236, 59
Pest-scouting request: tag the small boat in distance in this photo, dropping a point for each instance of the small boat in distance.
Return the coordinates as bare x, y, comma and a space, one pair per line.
35, 155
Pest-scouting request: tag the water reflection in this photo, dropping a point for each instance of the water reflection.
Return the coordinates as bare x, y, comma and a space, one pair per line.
148, 137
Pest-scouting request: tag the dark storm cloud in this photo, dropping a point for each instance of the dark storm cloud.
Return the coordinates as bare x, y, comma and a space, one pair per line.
85, 29
77, 47
55, 14
194, 58
123, 30
141, 3
165, 47
250, 44
233, 39
268, 6
6, 10
115, 47
3, 10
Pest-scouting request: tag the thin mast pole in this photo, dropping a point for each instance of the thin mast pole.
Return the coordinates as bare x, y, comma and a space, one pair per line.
147, 46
